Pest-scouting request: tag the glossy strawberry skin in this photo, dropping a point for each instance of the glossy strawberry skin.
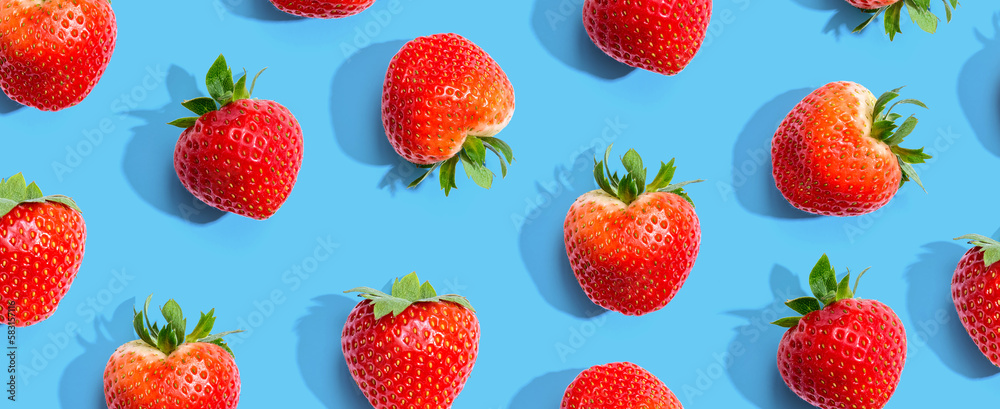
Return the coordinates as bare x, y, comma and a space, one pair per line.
418, 359
243, 158
438, 90
662, 36
323, 8
616, 386
53, 53
195, 376
848, 354
632, 259
871, 4
41, 249
975, 289
824, 160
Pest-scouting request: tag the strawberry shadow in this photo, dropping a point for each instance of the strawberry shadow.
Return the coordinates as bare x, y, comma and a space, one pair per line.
356, 110
935, 324
319, 354
752, 366
752, 182
261, 10
148, 163
82, 382
979, 89
845, 16
543, 249
558, 25
544, 392
8, 105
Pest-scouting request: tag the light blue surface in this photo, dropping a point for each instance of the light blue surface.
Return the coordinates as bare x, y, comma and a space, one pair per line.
503, 248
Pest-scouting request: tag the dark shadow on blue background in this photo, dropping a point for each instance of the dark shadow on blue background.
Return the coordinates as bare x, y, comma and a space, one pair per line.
935, 321
844, 18
320, 356
356, 110
752, 182
979, 89
543, 248
754, 371
82, 382
544, 392
261, 10
558, 24
7, 105
149, 157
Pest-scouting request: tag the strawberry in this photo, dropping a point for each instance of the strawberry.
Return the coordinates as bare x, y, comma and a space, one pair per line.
41, 247
837, 152
53, 52
975, 288
661, 36
919, 10
443, 101
166, 370
846, 354
632, 245
618, 385
411, 349
323, 8
242, 155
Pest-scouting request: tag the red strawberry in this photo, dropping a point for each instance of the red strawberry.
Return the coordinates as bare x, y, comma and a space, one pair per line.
657, 35
616, 386
242, 155
443, 100
920, 12
166, 370
846, 354
632, 246
323, 8
41, 247
975, 288
411, 349
837, 152
53, 52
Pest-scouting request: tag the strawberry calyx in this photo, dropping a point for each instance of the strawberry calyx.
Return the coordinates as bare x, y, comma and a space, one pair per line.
633, 184
14, 191
473, 158
884, 129
826, 290
989, 247
222, 90
406, 291
171, 336
920, 13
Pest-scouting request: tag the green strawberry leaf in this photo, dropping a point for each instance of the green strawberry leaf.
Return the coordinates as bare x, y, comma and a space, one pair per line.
240, 89
868, 21
171, 336
203, 328
220, 81
184, 122
33, 192
425, 175
6, 205
406, 291
909, 173
254, 83
503, 164
844, 288
823, 281
499, 145
804, 305
904, 130
788, 322
663, 177
891, 19
882, 130
447, 174
602, 180
633, 164
479, 174
475, 150
14, 191
990, 247
633, 184
911, 155
200, 106
426, 290
627, 189
920, 14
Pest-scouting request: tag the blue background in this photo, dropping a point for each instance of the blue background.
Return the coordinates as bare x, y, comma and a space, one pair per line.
503, 248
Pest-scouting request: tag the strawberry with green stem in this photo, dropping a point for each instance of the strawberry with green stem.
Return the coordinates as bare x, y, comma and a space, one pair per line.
975, 289
919, 11
166, 369
842, 352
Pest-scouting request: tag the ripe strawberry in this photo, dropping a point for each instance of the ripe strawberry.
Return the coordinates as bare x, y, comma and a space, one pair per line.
975, 288
618, 385
632, 246
166, 370
661, 36
242, 155
920, 12
443, 101
53, 52
848, 353
42, 240
837, 152
411, 349
323, 8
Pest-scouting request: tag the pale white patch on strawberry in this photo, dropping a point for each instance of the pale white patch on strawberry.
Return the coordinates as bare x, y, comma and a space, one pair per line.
603, 199
142, 349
